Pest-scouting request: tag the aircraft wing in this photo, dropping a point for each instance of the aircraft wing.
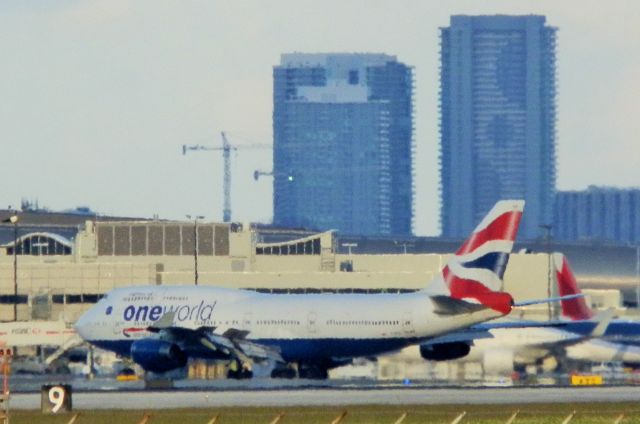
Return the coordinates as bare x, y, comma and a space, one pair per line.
602, 321
468, 335
232, 342
483, 331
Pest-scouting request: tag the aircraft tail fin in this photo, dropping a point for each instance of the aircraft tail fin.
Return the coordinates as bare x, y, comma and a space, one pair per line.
574, 309
475, 272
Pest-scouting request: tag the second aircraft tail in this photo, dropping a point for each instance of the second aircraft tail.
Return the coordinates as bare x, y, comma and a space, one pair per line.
574, 309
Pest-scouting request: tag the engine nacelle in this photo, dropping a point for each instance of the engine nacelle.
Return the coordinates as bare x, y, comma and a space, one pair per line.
445, 351
157, 355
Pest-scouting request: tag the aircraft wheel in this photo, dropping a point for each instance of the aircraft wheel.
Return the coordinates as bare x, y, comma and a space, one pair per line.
283, 372
235, 370
313, 372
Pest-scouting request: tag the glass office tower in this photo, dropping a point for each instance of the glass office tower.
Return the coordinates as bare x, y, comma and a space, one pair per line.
497, 120
343, 143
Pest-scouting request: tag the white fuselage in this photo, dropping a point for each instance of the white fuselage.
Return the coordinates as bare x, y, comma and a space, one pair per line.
281, 320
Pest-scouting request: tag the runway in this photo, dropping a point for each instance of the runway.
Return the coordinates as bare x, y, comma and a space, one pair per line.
146, 400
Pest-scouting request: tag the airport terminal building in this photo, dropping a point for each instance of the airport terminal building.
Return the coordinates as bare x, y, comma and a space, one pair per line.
64, 266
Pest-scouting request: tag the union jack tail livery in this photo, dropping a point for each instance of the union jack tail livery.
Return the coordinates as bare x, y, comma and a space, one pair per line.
574, 309
476, 270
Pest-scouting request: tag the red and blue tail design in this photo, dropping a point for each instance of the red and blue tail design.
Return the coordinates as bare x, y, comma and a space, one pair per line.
476, 270
574, 309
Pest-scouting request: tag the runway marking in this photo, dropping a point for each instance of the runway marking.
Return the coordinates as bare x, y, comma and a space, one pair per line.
277, 419
339, 418
73, 419
513, 417
402, 417
459, 418
569, 418
145, 419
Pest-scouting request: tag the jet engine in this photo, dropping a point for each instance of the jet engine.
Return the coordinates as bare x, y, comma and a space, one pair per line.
444, 351
157, 355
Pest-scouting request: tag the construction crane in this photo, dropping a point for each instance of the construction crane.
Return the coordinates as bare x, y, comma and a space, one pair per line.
226, 149
258, 173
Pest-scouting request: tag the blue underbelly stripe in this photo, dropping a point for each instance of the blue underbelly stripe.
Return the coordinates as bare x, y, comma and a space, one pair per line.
296, 349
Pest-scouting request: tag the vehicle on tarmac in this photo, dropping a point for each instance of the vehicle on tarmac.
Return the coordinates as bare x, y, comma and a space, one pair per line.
161, 327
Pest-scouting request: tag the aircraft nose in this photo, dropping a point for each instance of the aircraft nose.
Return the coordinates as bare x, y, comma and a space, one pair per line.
84, 324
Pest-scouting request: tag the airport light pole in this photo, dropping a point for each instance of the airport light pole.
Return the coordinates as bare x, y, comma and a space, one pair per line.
14, 220
404, 245
349, 246
547, 228
195, 246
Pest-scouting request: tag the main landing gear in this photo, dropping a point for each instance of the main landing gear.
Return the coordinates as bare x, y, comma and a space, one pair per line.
312, 372
238, 370
302, 370
284, 371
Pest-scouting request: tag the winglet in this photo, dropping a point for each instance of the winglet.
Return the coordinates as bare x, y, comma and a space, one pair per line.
603, 319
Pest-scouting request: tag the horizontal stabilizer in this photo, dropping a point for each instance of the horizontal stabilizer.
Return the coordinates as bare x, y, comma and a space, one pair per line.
445, 305
547, 300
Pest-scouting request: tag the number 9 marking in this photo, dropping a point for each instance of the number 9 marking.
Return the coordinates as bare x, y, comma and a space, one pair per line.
56, 397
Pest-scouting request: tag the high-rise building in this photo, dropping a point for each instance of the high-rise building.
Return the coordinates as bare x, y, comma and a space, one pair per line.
343, 143
497, 120
604, 214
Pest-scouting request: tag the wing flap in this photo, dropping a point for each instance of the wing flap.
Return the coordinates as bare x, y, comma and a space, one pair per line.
233, 342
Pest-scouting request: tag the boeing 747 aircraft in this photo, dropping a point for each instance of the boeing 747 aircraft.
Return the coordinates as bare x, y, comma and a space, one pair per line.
160, 328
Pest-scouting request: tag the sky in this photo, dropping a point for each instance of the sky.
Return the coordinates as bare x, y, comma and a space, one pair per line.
98, 96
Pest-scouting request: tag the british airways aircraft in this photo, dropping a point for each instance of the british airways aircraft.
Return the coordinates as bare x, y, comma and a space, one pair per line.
621, 336
161, 327
582, 336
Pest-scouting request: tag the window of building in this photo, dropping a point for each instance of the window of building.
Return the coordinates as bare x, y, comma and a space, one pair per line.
353, 77
40, 244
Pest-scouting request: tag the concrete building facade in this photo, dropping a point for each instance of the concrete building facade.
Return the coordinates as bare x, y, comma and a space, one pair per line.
106, 255
343, 140
497, 119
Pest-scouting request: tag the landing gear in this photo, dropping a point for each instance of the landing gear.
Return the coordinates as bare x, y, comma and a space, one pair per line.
283, 371
302, 370
313, 372
238, 370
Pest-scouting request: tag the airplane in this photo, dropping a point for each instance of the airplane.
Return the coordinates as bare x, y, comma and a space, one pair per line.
582, 336
624, 333
305, 335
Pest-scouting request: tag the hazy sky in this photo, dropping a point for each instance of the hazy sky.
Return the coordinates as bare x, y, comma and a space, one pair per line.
96, 97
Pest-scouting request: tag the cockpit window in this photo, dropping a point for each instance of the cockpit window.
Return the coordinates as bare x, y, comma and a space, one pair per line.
109, 310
